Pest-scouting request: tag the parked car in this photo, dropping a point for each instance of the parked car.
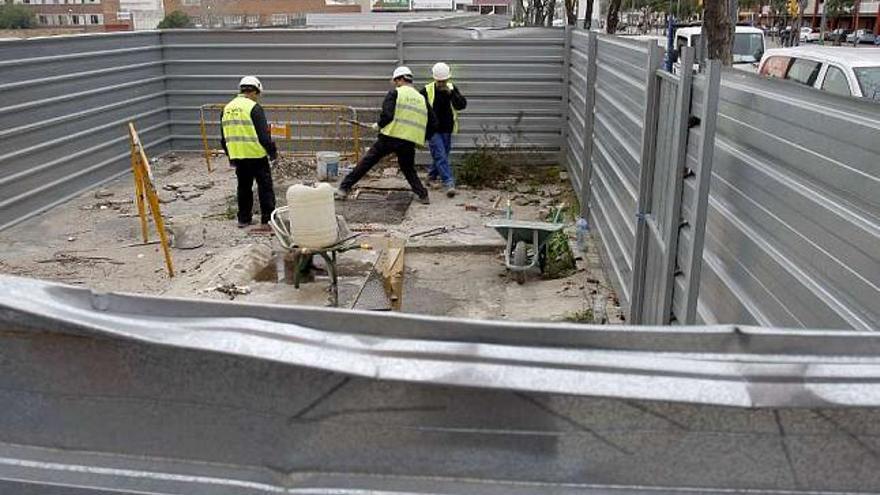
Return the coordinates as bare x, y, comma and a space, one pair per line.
809, 35
748, 46
842, 71
838, 35
860, 36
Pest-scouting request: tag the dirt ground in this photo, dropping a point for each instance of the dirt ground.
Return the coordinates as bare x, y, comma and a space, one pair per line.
94, 240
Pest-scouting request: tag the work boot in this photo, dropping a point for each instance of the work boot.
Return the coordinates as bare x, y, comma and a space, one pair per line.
424, 200
341, 194
450, 191
244, 225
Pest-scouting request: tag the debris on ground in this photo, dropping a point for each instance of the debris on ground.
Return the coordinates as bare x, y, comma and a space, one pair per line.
66, 257
232, 290
454, 267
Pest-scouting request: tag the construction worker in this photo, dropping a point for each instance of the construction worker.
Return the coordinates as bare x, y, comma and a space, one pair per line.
245, 137
406, 121
446, 101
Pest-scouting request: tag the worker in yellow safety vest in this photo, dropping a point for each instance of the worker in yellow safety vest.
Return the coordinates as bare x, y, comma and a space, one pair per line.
406, 121
247, 141
446, 101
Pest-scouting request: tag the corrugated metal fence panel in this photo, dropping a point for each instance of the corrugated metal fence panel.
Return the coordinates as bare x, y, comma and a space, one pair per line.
793, 232
575, 158
617, 136
512, 79
295, 66
67, 101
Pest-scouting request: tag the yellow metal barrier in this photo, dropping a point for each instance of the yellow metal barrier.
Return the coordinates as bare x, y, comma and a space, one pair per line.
298, 130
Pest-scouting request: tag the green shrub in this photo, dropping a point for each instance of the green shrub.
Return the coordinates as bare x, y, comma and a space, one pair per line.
16, 17
481, 168
560, 259
175, 20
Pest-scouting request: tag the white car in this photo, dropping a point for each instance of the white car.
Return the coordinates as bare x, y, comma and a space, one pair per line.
809, 35
748, 46
842, 71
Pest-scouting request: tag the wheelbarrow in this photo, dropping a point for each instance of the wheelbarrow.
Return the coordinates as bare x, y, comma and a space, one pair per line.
302, 257
520, 236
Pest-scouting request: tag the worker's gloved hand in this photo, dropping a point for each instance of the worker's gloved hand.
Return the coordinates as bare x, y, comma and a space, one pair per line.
374, 126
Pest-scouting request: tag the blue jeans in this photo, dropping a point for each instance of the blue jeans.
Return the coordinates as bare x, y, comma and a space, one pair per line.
441, 146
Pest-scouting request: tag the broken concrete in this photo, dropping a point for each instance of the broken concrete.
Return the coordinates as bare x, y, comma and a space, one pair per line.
187, 232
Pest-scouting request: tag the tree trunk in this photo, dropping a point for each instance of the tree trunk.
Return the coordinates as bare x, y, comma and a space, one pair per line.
799, 21
549, 12
613, 16
519, 12
718, 31
588, 15
571, 12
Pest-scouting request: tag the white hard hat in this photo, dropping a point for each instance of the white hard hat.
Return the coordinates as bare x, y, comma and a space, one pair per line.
401, 71
440, 71
251, 81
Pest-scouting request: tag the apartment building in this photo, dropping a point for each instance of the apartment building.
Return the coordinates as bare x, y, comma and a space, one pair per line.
250, 13
87, 15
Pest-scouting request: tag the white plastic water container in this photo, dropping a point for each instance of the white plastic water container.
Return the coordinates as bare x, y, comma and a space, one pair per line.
328, 165
312, 215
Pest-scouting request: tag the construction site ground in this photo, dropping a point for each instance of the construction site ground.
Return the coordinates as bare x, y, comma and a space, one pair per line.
95, 240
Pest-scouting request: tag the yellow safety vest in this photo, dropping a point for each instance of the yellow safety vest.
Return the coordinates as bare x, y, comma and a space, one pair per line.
410, 117
238, 129
430, 90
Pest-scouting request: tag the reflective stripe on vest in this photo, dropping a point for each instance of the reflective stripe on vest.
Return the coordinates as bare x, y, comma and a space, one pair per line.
431, 92
238, 129
410, 117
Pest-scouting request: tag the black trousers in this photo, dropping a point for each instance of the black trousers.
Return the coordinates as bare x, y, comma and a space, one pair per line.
384, 146
247, 170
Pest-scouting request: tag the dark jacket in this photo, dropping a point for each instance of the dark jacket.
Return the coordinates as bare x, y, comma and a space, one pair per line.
258, 117
390, 105
444, 102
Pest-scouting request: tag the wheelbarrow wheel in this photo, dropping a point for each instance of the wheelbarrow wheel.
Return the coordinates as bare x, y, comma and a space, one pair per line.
519, 259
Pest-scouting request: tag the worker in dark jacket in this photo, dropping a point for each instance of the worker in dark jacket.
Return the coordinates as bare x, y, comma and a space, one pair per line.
446, 101
245, 137
406, 121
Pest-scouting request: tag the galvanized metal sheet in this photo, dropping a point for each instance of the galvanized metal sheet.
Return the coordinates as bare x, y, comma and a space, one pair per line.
63, 120
716, 365
794, 218
86, 414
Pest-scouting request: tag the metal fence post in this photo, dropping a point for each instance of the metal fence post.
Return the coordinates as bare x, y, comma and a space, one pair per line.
679, 159
589, 108
646, 175
566, 81
704, 180
398, 39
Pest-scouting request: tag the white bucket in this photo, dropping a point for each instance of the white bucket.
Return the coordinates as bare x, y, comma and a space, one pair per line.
328, 165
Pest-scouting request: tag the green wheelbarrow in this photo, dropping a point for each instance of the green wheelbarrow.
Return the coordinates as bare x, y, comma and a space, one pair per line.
526, 244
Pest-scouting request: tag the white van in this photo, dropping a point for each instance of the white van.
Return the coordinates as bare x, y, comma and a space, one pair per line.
838, 70
748, 46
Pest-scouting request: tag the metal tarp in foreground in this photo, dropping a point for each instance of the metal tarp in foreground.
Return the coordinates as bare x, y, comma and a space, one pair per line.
722, 365
95, 400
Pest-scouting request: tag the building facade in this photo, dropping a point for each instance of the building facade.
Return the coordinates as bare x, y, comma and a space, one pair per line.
84, 15
865, 15
252, 13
